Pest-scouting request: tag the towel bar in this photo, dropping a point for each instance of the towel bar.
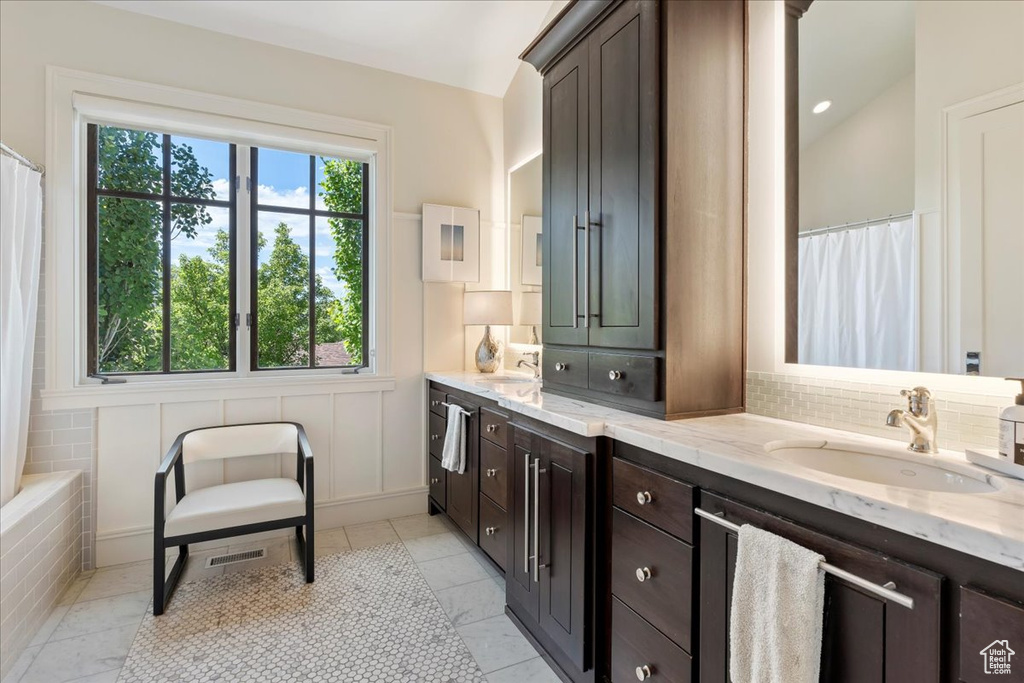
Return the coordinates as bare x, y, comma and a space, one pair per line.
465, 412
885, 591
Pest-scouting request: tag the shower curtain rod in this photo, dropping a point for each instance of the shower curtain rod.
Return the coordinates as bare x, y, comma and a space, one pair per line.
859, 224
24, 160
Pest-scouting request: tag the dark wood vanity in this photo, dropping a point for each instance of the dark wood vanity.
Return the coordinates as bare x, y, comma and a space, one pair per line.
612, 574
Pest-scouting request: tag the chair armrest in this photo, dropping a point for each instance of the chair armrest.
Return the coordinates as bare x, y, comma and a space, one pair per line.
305, 451
173, 454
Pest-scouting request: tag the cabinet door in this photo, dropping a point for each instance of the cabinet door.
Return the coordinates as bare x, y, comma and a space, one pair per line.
565, 197
461, 503
623, 230
865, 639
520, 588
562, 488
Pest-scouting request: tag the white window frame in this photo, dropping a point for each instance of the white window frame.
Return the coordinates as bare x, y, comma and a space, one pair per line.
75, 99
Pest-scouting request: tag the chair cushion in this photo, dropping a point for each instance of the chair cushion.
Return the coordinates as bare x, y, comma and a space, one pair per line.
229, 505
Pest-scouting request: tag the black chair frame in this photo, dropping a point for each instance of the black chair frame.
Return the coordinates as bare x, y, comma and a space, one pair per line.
163, 583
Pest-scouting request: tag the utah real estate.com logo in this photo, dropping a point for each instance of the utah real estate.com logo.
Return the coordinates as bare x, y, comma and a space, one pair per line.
997, 657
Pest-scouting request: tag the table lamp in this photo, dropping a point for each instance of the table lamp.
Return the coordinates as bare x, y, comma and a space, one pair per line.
488, 307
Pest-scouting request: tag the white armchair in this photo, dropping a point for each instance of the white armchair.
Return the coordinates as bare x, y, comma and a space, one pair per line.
235, 509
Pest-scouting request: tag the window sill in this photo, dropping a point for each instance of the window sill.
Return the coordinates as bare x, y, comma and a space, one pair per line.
141, 392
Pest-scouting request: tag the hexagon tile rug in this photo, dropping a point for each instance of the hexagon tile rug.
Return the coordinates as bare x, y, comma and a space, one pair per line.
369, 616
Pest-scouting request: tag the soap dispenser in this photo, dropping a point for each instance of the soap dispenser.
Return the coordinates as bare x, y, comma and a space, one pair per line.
1011, 428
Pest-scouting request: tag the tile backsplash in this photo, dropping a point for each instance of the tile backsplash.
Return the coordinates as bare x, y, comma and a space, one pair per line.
965, 420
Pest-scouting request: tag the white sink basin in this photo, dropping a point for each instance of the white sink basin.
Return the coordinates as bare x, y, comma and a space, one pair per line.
892, 467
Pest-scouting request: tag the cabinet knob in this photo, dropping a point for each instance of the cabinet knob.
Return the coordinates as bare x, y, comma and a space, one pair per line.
614, 374
492, 473
643, 574
491, 530
492, 428
643, 497
435, 437
561, 367
643, 672
434, 480
435, 402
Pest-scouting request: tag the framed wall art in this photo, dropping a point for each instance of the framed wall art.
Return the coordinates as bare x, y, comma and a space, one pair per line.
451, 244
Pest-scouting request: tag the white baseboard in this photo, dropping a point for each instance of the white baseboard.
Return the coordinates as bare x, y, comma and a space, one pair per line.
136, 545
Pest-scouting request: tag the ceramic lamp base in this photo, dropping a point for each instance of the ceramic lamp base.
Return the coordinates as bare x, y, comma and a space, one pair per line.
488, 353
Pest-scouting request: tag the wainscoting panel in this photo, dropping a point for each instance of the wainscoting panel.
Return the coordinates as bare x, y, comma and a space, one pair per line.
128, 440
357, 445
314, 413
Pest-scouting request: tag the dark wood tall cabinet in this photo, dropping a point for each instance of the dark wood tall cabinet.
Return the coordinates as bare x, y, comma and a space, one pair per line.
643, 204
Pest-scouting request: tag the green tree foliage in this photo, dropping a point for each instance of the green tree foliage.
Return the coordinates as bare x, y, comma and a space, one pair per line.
342, 191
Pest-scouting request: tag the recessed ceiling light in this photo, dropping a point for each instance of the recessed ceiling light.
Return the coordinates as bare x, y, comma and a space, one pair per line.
822, 106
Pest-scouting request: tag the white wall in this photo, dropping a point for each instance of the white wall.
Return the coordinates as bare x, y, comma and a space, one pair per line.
448, 149
863, 168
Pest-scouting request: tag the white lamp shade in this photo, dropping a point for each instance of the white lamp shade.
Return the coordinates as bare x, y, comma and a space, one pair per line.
487, 307
529, 308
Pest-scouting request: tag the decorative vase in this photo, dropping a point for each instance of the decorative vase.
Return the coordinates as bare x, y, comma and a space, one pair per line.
488, 353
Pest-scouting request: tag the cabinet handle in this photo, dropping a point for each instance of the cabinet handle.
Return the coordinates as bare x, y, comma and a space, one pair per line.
561, 367
643, 672
614, 375
435, 437
586, 268
435, 402
492, 473
492, 428
434, 480
491, 530
537, 471
643, 497
643, 574
575, 272
526, 516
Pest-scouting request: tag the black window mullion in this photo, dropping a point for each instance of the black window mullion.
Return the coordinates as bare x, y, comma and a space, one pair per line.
254, 258
167, 253
312, 261
92, 247
232, 255
366, 270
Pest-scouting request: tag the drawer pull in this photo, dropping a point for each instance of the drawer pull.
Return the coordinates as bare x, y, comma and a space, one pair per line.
435, 403
491, 530
643, 672
614, 375
492, 473
561, 367
491, 428
643, 497
435, 480
435, 437
643, 574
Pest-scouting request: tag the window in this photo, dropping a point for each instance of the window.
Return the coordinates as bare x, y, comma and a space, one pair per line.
168, 286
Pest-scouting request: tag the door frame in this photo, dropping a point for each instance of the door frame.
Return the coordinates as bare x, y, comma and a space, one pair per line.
953, 118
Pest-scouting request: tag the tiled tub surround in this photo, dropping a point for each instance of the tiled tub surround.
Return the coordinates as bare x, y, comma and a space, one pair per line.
40, 554
989, 526
91, 631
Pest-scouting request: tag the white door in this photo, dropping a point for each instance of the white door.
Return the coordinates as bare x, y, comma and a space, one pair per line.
991, 228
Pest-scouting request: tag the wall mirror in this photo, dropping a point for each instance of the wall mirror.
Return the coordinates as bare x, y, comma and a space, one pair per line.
905, 185
525, 254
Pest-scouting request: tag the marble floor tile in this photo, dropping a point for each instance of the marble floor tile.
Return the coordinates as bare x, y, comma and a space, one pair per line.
496, 643
105, 677
418, 526
486, 564
426, 548
49, 626
278, 552
374, 533
125, 578
22, 663
530, 671
65, 660
330, 542
75, 588
195, 566
472, 602
102, 614
447, 572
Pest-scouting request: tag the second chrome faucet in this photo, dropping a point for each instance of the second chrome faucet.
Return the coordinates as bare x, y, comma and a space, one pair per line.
920, 418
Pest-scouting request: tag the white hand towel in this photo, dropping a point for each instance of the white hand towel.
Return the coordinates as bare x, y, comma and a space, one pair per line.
453, 457
778, 600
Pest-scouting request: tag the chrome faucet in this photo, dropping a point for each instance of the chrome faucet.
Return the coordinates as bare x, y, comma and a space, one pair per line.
920, 418
535, 365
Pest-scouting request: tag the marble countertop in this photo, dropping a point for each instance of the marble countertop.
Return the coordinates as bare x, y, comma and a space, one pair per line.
989, 525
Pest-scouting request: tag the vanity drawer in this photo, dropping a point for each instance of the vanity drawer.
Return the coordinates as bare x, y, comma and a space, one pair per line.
565, 367
664, 502
623, 375
435, 401
493, 534
636, 644
664, 595
437, 481
987, 620
494, 472
493, 427
435, 436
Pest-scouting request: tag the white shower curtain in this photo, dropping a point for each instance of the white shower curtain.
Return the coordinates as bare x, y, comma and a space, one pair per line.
20, 237
858, 297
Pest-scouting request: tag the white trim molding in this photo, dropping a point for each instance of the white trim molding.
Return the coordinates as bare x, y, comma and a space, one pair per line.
75, 98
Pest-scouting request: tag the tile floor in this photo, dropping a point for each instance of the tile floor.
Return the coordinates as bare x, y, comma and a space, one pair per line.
87, 636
